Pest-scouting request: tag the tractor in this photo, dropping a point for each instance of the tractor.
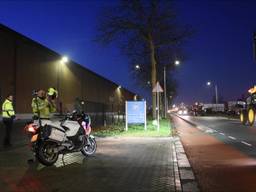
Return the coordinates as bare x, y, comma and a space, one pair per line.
248, 108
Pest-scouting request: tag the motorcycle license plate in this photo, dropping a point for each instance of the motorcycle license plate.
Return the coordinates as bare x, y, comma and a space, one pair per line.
34, 138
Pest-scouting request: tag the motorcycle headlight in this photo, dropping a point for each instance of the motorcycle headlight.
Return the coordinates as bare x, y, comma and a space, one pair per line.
31, 128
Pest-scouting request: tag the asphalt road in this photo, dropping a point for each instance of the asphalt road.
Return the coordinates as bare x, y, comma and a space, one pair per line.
221, 152
229, 131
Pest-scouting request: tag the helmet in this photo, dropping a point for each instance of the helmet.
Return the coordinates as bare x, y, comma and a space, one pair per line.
52, 92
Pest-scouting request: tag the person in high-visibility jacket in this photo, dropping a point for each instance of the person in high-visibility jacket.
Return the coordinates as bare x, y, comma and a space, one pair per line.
43, 105
8, 115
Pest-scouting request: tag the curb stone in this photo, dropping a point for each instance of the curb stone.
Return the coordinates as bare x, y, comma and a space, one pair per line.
185, 180
177, 181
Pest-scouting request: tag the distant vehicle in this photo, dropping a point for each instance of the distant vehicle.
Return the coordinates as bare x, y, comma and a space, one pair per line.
197, 109
200, 109
213, 107
183, 111
180, 109
233, 107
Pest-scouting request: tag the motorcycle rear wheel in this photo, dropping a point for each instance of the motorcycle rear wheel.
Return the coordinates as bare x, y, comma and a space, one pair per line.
45, 153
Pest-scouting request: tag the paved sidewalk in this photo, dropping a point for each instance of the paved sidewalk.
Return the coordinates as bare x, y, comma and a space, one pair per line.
159, 161
120, 164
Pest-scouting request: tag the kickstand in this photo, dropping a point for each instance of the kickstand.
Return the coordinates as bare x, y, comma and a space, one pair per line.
63, 159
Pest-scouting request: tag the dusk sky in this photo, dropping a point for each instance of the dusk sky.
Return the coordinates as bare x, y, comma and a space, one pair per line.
220, 51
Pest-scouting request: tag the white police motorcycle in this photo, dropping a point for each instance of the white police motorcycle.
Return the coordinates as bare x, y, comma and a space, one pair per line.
51, 138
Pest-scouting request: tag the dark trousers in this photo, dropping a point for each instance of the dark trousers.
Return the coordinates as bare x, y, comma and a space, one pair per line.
8, 130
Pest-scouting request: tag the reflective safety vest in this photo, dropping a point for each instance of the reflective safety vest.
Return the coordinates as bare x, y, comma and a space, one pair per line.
7, 109
42, 107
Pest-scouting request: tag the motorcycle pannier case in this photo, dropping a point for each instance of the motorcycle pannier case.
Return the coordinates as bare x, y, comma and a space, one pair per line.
53, 133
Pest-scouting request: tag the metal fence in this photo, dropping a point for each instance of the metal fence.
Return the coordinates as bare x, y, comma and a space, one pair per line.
103, 114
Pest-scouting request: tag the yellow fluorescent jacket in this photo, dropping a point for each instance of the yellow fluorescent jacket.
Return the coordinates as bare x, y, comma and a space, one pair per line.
45, 108
7, 109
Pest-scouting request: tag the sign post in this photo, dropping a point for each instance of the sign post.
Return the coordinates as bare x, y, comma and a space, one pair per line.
136, 113
157, 89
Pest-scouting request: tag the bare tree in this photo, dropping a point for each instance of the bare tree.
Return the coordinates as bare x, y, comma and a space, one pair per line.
148, 33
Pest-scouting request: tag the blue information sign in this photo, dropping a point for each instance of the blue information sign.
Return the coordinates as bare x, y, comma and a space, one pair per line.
136, 112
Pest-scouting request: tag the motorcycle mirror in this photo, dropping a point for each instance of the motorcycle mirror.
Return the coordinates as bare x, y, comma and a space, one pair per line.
34, 93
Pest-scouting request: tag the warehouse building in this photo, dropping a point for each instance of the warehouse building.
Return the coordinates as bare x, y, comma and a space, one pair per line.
27, 65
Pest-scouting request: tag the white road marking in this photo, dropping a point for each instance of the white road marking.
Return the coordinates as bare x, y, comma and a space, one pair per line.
222, 134
200, 128
248, 144
209, 131
232, 137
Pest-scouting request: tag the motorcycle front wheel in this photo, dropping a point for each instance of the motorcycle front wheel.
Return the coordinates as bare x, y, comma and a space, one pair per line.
90, 148
46, 153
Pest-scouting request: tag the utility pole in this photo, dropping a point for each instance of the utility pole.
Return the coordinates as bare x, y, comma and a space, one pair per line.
254, 46
216, 93
165, 103
209, 83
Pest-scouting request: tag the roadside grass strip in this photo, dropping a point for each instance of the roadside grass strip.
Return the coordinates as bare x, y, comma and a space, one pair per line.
137, 130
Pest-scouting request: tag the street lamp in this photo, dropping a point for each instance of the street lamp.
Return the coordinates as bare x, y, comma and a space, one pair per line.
177, 62
209, 83
137, 67
64, 60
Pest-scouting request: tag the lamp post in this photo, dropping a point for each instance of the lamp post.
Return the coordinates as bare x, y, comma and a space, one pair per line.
165, 100
63, 61
176, 62
209, 83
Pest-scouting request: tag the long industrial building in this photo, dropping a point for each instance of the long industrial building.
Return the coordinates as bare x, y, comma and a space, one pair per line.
27, 65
